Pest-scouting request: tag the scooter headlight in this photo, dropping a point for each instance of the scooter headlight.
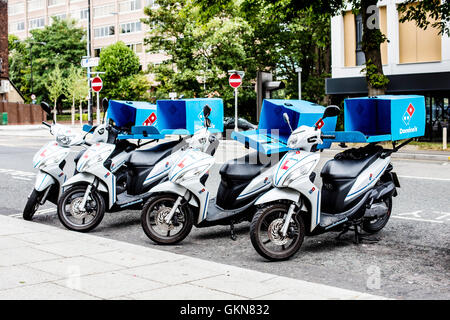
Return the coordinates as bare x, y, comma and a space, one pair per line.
298, 173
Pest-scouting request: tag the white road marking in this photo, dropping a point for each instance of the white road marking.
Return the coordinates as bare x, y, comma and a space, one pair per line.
423, 178
417, 219
444, 215
48, 210
21, 178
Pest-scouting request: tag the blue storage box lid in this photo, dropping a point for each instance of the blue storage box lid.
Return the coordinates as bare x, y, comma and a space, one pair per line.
273, 132
382, 118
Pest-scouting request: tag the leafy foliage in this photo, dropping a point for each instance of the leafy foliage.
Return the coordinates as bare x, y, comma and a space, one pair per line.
55, 86
122, 79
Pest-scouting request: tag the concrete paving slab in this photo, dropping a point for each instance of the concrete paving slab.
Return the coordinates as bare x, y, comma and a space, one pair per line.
184, 292
112, 284
10, 242
19, 276
44, 291
175, 272
53, 236
13, 256
72, 248
133, 259
67, 267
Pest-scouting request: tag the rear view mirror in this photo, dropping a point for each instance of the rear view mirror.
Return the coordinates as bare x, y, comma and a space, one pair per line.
46, 108
206, 111
331, 111
105, 104
286, 119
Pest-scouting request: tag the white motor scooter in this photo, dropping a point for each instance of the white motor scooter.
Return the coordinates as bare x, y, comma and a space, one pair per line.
357, 191
51, 162
183, 201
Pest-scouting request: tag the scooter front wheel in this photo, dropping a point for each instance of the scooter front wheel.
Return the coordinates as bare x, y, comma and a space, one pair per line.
266, 235
153, 220
80, 219
32, 204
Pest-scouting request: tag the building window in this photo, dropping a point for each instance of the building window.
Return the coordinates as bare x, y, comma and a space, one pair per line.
59, 16
36, 23
35, 4
131, 5
16, 8
80, 14
136, 47
16, 26
360, 57
103, 11
104, 31
56, 2
151, 3
97, 52
130, 27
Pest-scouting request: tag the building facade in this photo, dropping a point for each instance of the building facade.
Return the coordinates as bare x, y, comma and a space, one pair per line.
111, 21
416, 61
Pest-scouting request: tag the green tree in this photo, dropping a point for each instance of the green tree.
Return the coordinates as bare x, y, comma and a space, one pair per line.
55, 87
123, 78
19, 65
65, 46
71, 85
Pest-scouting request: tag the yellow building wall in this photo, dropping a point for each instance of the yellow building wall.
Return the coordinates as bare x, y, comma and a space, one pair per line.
349, 39
418, 45
383, 29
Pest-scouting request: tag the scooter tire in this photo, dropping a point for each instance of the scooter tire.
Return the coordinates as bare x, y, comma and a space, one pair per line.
167, 240
97, 219
255, 225
374, 227
32, 205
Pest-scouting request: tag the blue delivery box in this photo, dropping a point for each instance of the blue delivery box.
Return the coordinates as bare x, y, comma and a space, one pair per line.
382, 118
273, 132
153, 121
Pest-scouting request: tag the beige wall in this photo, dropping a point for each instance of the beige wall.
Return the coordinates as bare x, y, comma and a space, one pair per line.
349, 39
418, 45
383, 29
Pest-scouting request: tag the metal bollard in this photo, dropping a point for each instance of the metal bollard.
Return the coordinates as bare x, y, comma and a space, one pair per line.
444, 138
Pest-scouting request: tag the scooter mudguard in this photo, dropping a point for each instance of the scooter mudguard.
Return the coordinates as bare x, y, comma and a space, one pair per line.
277, 194
43, 181
169, 186
85, 178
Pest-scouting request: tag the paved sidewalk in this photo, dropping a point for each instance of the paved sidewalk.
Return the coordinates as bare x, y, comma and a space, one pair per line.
43, 262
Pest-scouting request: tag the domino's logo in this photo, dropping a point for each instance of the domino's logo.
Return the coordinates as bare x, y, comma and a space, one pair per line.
408, 114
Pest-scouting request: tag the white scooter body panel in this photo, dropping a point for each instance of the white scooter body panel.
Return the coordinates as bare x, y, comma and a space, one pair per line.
119, 160
92, 162
259, 183
43, 181
292, 161
163, 167
87, 178
368, 178
48, 151
199, 163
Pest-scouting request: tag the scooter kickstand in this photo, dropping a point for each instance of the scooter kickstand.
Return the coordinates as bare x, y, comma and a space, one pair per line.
344, 231
233, 235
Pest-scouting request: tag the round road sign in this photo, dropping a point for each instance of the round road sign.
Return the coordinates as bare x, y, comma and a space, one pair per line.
97, 84
235, 80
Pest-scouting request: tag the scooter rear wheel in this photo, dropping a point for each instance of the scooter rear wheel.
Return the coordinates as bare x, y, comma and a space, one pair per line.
373, 226
80, 220
266, 237
152, 220
32, 204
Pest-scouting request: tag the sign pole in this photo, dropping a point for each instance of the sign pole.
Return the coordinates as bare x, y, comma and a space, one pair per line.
98, 107
236, 109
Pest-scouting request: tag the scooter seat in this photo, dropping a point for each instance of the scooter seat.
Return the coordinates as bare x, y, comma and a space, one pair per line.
346, 168
149, 157
244, 168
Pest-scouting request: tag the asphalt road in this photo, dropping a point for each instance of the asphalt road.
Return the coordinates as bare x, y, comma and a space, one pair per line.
411, 260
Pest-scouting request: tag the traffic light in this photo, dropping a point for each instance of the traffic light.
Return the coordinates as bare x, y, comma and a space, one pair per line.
264, 87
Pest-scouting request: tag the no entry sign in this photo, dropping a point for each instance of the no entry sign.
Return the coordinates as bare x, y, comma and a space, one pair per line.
235, 80
97, 84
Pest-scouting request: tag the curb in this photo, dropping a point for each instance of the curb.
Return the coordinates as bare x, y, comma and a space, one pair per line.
409, 156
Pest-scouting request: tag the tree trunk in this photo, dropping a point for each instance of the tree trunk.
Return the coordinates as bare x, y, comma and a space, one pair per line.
73, 111
81, 112
371, 40
54, 111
